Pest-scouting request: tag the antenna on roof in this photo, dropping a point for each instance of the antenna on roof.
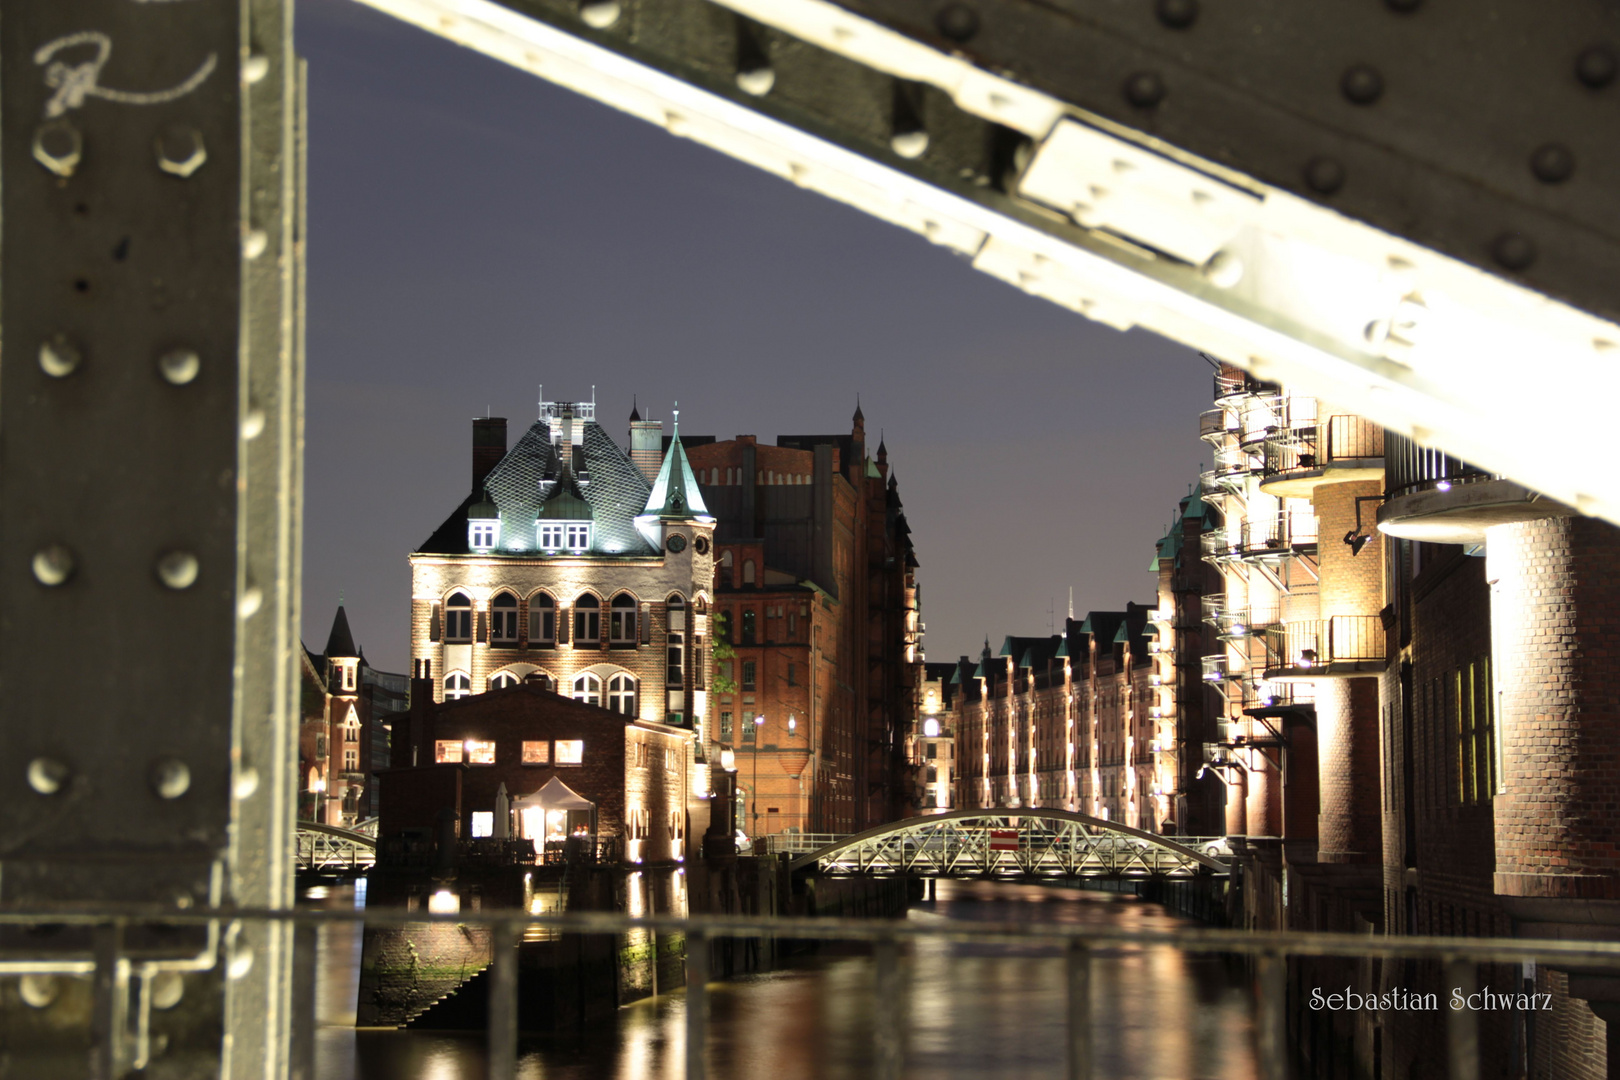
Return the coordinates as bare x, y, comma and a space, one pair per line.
540, 406
677, 413
1071, 603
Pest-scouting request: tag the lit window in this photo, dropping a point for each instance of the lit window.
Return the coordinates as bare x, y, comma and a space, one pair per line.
456, 685
447, 751
579, 536
542, 620
536, 752
351, 760
570, 751
587, 688
551, 536
480, 752
503, 621
587, 621
481, 534
725, 727
931, 728
622, 620
458, 618
483, 823
622, 694
348, 676
748, 727
502, 679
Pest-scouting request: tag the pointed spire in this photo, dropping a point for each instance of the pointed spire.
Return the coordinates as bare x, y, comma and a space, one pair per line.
635, 409
675, 492
883, 449
340, 642
860, 417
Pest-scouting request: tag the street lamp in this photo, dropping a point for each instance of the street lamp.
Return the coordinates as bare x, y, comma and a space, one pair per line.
759, 722
728, 765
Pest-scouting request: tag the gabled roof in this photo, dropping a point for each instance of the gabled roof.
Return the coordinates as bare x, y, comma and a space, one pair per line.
340, 642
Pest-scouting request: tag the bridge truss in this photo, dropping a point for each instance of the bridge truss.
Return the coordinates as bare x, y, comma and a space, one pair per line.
327, 849
1032, 843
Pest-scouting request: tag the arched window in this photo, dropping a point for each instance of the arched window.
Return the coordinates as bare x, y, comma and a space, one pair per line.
622, 694
540, 679
542, 620
622, 620
503, 623
587, 621
748, 571
458, 618
502, 679
588, 688
457, 685
351, 727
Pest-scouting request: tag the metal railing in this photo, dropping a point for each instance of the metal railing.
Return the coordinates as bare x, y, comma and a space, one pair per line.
1212, 425
1279, 534
1326, 644
1219, 668
120, 977
1411, 468
1316, 445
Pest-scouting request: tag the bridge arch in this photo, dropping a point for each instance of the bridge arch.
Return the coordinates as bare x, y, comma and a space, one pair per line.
332, 850
1021, 841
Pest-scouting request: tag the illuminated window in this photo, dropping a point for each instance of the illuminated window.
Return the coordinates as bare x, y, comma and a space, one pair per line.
348, 676
570, 751
481, 534
725, 727
351, 727
551, 535
622, 620
351, 760
542, 620
579, 536
483, 823
748, 727
622, 694
587, 621
503, 621
536, 752
456, 685
480, 752
587, 688
447, 751
502, 679
458, 618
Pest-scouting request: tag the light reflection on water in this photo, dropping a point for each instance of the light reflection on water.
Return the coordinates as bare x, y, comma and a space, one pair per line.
972, 1011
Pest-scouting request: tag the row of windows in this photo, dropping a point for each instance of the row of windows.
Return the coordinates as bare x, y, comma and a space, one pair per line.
734, 477
551, 536
503, 618
621, 689
535, 752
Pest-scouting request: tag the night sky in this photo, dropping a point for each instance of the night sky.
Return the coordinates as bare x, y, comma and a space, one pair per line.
476, 231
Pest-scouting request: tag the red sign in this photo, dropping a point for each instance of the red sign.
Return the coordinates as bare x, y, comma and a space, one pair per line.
1003, 839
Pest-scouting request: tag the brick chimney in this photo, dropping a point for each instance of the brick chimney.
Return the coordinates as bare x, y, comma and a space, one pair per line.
489, 446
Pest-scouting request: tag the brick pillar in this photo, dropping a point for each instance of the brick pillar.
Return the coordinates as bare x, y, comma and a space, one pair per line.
1350, 828
1555, 620
1263, 795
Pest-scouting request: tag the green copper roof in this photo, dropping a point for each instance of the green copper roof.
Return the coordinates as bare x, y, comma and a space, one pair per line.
675, 493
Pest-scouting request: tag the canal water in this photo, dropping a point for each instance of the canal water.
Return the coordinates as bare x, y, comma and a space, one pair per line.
972, 1011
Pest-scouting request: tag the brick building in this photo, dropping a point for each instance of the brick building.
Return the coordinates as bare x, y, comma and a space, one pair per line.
816, 583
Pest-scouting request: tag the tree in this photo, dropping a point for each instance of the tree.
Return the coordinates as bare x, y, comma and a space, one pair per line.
723, 653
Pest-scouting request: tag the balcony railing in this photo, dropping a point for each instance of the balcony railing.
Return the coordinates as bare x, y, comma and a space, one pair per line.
1261, 416
1315, 446
1327, 646
1411, 468
1278, 535
1218, 544
1212, 425
1231, 384
1219, 668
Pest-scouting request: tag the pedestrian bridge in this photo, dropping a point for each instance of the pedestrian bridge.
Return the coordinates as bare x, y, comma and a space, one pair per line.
1036, 842
327, 849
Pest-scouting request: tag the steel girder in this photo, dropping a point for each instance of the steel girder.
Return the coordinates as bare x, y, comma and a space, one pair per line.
1035, 843
1401, 208
328, 849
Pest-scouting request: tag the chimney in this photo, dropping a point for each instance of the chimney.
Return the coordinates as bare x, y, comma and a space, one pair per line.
489, 446
646, 445
412, 739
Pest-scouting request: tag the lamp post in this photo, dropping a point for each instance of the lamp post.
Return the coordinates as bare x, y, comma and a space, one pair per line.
728, 765
759, 722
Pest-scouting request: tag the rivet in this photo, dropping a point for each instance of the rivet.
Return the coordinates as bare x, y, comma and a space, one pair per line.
254, 241
1362, 84
599, 14
180, 366
253, 423
47, 775
1144, 89
38, 991
1324, 175
1596, 67
1514, 251
53, 564
1178, 14
59, 147
757, 82
170, 778
1552, 163
255, 68
241, 961
957, 22
1223, 270
178, 569
180, 150
59, 356
252, 599
909, 144
247, 782
168, 987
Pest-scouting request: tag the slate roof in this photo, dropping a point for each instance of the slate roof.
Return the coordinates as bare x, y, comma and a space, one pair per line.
675, 493
340, 642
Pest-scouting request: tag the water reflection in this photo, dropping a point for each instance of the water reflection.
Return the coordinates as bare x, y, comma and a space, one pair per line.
972, 1011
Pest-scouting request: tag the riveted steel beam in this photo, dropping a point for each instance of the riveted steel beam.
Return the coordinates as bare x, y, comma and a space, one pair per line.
1394, 207
150, 406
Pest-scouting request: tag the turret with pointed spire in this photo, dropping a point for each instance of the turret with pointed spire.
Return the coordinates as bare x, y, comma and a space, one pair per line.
675, 496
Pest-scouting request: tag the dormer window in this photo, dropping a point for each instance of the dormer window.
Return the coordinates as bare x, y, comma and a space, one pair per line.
483, 535
551, 535
579, 536
564, 535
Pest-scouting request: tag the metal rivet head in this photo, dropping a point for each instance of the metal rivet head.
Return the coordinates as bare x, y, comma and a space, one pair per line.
599, 14
909, 144
178, 569
1596, 67
958, 22
255, 68
168, 987
59, 356
38, 991
180, 150
59, 147
47, 775
757, 82
1513, 251
253, 423
1362, 84
1223, 270
1324, 175
251, 600
1177, 14
180, 366
247, 782
53, 564
241, 961
170, 778
254, 241
1144, 89
1552, 163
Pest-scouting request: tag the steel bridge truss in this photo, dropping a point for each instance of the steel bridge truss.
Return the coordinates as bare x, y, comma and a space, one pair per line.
1034, 843
327, 849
